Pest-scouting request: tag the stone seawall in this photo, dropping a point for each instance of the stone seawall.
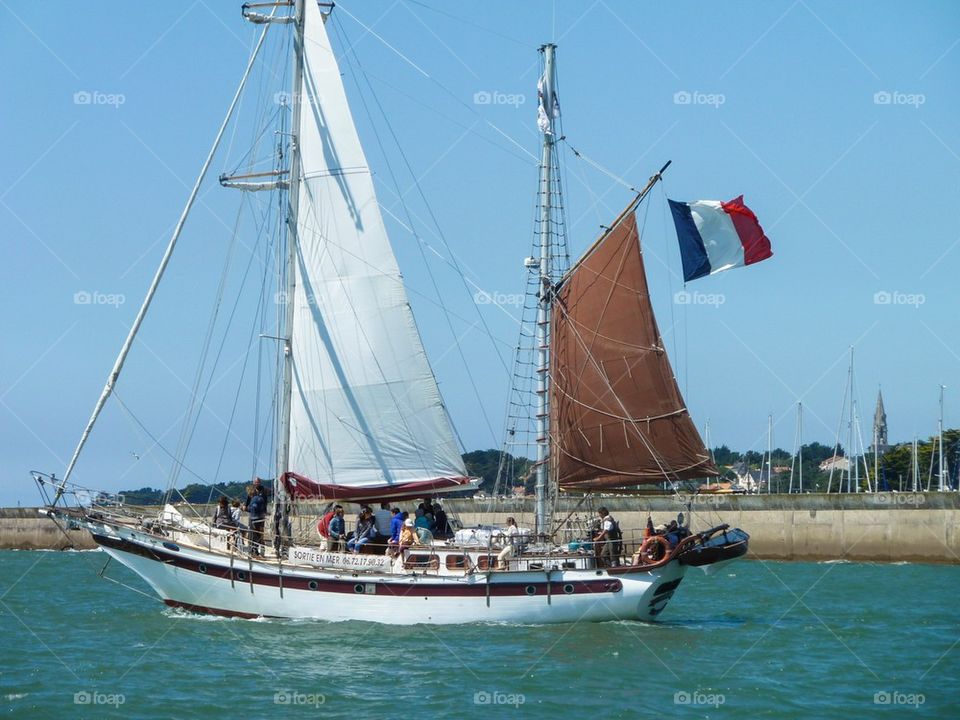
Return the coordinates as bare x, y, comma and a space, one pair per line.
27, 529
883, 527
886, 527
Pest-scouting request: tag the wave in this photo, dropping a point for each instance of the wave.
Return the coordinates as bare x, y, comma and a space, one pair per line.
55, 550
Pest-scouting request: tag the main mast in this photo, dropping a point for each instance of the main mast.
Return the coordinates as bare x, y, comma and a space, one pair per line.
545, 298
283, 435
942, 484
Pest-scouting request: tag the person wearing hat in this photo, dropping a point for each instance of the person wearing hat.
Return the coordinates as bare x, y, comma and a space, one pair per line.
408, 535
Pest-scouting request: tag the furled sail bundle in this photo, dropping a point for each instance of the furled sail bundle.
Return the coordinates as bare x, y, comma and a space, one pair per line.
366, 415
617, 418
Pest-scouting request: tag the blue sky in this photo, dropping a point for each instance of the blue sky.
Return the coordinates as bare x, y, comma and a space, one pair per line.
836, 121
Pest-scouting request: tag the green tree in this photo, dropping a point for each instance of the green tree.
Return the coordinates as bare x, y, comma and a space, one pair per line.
725, 456
486, 463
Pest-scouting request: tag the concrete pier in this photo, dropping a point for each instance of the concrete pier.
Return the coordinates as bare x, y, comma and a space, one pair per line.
883, 527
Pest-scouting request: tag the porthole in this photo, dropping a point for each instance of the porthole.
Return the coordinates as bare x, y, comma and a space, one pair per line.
202, 568
313, 585
531, 590
358, 588
241, 575
568, 588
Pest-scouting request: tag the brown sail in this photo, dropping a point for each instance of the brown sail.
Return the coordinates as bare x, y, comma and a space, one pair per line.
617, 418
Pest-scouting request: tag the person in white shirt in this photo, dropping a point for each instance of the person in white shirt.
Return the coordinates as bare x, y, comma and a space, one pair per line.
382, 518
236, 515
509, 535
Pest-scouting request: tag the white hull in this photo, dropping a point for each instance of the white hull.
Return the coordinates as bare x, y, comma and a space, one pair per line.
200, 580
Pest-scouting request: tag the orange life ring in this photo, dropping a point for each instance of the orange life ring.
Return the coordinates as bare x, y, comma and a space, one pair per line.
649, 552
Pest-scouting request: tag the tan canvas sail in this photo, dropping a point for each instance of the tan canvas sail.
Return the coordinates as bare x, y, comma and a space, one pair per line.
616, 414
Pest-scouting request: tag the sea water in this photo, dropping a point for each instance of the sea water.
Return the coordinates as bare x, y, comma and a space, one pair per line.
757, 639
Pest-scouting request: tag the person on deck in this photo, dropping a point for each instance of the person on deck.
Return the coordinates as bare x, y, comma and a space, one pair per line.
241, 530
510, 535
396, 525
323, 527
424, 526
607, 540
365, 531
382, 519
222, 518
441, 526
337, 531
408, 536
256, 506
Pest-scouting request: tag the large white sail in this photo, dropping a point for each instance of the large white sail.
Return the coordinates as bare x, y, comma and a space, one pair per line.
366, 411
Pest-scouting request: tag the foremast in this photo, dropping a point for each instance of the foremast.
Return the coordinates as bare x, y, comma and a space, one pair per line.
293, 206
545, 294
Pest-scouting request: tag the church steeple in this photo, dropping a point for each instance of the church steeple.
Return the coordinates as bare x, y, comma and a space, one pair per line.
880, 425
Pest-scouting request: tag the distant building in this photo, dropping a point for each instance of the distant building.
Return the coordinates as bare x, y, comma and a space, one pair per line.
835, 463
880, 427
718, 488
747, 480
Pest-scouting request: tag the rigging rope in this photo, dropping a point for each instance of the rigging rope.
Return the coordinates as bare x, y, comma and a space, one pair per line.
128, 343
155, 440
470, 23
616, 178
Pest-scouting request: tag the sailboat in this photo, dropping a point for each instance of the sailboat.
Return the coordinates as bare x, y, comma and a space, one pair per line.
361, 418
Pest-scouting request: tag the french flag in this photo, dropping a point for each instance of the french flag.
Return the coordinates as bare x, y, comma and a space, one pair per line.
716, 236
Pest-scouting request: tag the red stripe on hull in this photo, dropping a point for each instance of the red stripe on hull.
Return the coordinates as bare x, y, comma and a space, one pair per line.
241, 575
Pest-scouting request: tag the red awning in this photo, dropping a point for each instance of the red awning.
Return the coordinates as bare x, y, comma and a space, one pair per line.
302, 488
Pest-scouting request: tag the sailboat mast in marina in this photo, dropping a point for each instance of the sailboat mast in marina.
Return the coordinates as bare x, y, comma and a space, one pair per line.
360, 418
